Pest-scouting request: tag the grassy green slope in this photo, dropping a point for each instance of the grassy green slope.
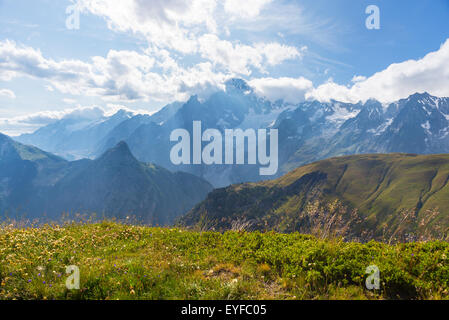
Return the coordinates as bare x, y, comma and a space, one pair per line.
380, 186
133, 262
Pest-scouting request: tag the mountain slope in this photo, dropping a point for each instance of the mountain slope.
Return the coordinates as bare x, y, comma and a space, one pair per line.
123, 130
237, 107
74, 136
25, 172
385, 189
118, 185
36, 184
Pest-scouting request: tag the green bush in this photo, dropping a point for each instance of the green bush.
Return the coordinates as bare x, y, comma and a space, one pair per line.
133, 262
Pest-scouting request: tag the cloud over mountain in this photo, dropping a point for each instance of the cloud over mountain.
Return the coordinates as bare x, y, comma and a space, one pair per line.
399, 80
291, 90
174, 49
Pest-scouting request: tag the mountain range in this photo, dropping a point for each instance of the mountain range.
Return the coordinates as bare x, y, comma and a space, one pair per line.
308, 131
38, 184
367, 170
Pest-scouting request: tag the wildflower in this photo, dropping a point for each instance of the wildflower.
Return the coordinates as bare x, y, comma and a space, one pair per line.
29, 280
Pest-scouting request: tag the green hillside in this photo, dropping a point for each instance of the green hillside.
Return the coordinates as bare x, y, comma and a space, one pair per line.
386, 197
133, 262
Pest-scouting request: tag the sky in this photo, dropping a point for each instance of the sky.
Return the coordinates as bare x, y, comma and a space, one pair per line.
143, 54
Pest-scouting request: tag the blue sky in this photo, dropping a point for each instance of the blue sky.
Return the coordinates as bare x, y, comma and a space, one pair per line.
144, 54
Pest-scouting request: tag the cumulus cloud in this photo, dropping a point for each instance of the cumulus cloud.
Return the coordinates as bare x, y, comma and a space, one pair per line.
276, 53
172, 24
30, 122
292, 90
235, 58
174, 30
69, 101
17, 60
190, 27
358, 78
245, 9
239, 58
7, 93
120, 76
129, 76
399, 80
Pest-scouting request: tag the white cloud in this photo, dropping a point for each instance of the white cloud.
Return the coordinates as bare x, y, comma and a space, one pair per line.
358, 78
399, 80
7, 93
120, 76
245, 9
240, 58
69, 101
131, 76
30, 122
292, 90
174, 30
331, 90
172, 24
276, 53
49, 88
236, 58
16, 60
191, 27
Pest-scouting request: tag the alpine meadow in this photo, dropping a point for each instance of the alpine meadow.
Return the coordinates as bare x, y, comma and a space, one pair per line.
223, 155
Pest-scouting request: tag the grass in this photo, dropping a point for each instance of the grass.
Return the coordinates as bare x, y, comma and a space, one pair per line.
381, 187
118, 261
